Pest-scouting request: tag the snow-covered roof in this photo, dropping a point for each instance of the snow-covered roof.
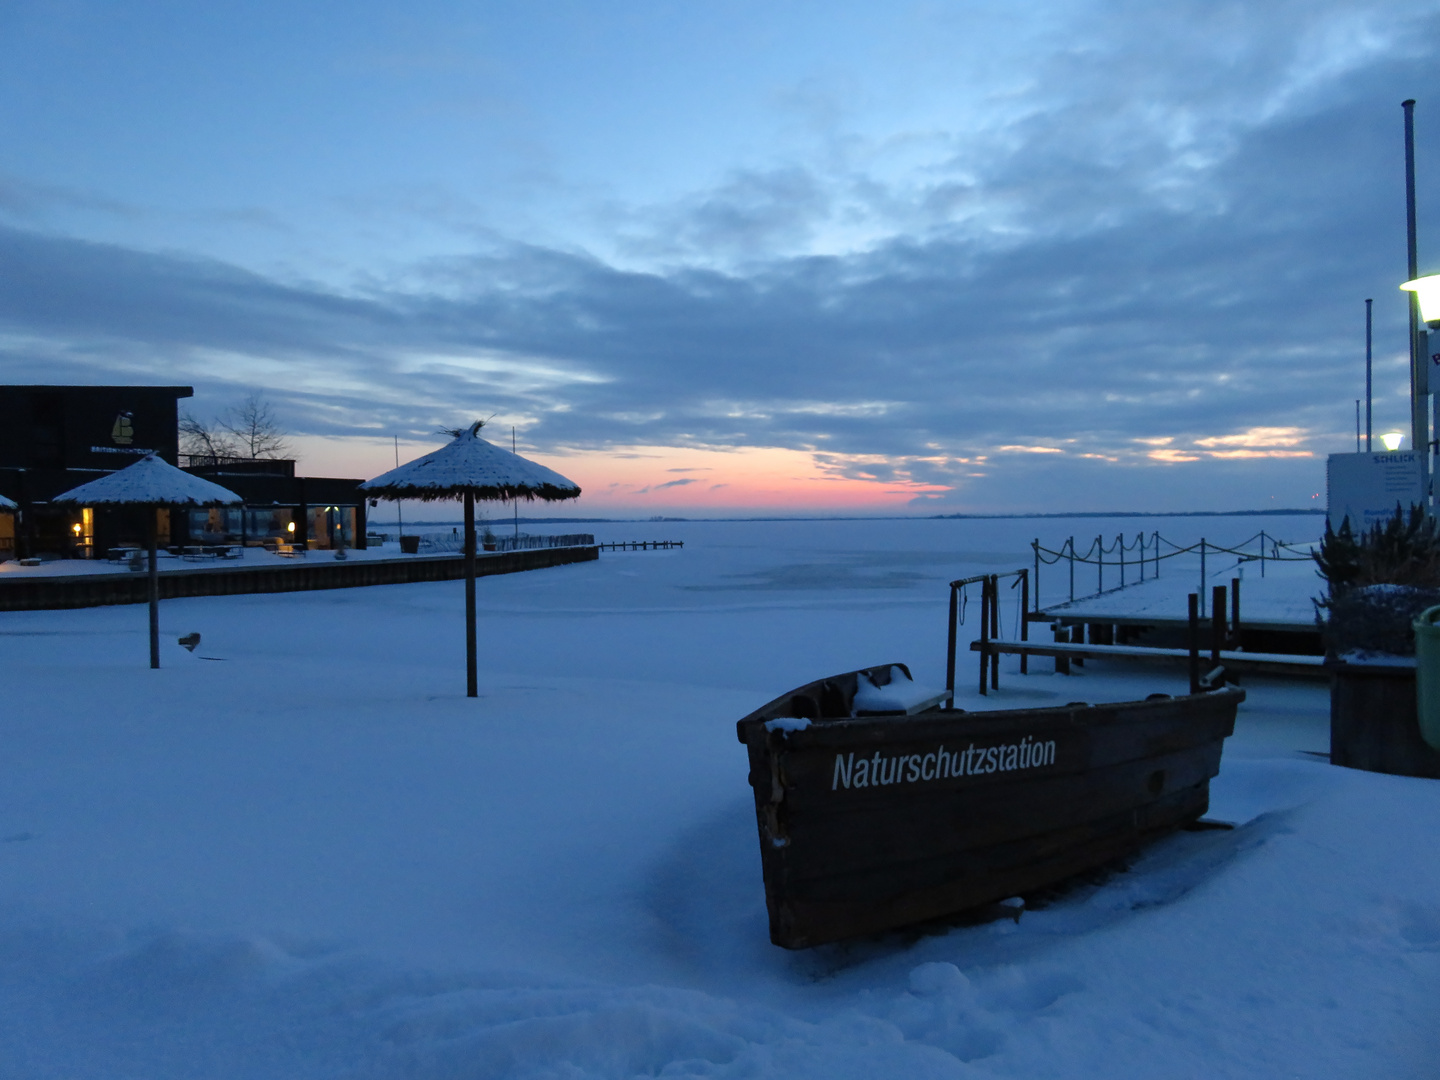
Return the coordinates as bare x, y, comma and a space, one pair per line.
471, 463
149, 482
7, 504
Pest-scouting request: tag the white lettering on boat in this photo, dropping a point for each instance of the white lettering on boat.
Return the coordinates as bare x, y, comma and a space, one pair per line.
879, 770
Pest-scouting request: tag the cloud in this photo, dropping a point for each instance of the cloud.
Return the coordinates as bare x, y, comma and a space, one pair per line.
1155, 259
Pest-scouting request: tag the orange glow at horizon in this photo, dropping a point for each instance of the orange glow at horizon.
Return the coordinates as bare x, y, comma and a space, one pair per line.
665, 476
662, 477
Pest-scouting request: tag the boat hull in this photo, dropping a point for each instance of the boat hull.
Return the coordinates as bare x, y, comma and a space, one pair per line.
954, 810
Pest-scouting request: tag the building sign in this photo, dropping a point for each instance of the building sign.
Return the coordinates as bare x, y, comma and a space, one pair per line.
1366, 487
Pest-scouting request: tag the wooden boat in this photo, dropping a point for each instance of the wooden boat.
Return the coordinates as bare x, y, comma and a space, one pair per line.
878, 807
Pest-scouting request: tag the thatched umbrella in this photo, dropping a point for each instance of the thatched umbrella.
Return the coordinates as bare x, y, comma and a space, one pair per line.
469, 468
150, 483
8, 504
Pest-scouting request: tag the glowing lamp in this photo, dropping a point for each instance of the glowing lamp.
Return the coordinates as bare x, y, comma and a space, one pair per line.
1391, 440
290, 527
75, 529
1427, 291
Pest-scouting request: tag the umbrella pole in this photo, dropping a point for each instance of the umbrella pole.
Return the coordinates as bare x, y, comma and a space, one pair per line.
472, 678
154, 592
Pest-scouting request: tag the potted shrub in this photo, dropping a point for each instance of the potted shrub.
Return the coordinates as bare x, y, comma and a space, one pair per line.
1378, 582
487, 539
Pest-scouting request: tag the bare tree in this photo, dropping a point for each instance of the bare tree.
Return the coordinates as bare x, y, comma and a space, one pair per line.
205, 444
255, 430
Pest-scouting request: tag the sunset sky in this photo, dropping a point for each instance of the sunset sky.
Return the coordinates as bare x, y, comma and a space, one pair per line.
739, 257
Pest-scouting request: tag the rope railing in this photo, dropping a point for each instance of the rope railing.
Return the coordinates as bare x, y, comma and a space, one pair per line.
1260, 548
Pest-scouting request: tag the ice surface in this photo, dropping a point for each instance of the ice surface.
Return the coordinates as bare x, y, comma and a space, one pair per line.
301, 852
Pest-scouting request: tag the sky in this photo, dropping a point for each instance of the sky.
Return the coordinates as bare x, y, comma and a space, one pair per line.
796, 258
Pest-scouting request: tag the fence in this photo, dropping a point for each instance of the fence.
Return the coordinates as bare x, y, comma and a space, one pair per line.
1259, 548
640, 545
435, 543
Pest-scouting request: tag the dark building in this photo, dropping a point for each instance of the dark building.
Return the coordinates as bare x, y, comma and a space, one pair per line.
54, 438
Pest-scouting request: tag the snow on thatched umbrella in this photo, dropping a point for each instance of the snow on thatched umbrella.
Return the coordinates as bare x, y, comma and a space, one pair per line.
469, 468
150, 483
8, 504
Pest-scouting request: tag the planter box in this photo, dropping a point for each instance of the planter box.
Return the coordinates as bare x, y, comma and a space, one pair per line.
1373, 725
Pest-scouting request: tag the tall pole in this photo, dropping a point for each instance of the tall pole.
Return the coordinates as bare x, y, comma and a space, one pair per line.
1368, 356
399, 513
154, 575
472, 675
1419, 421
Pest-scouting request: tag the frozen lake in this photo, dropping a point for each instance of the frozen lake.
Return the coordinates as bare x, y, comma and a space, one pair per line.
302, 852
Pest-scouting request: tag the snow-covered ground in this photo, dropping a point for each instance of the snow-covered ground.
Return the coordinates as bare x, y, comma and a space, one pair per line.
302, 852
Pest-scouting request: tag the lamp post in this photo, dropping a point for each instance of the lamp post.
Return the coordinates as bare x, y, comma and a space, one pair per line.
1425, 307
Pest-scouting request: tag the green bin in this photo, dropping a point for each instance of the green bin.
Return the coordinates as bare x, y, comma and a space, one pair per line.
1427, 674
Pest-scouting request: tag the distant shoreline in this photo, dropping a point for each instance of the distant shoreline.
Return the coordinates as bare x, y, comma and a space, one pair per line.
497, 523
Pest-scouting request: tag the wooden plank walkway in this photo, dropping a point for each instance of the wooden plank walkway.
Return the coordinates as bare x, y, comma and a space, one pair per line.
98, 590
1235, 661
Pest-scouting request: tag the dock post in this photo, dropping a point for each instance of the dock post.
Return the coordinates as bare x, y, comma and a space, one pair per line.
1234, 613
984, 631
950, 649
1072, 569
1024, 618
1217, 625
1035, 546
1262, 552
1062, 663
1202, 575
1100, 564
1156, 545
994, 630
1194, 644
1141, 540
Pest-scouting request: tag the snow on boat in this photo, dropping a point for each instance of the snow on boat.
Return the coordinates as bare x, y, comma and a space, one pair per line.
879, 807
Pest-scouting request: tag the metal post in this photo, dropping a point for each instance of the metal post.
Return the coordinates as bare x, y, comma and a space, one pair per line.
1100, 564
151, 512
1072, 569
1156, 546
1262, 553
1142, 555
1419, 421
1368, 355
1120, 540
472, 673
950, 645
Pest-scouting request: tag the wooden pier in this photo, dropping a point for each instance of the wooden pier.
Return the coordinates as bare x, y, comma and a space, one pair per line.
97, 590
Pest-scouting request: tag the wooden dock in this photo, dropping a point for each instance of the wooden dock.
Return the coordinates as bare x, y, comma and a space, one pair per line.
128, 587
